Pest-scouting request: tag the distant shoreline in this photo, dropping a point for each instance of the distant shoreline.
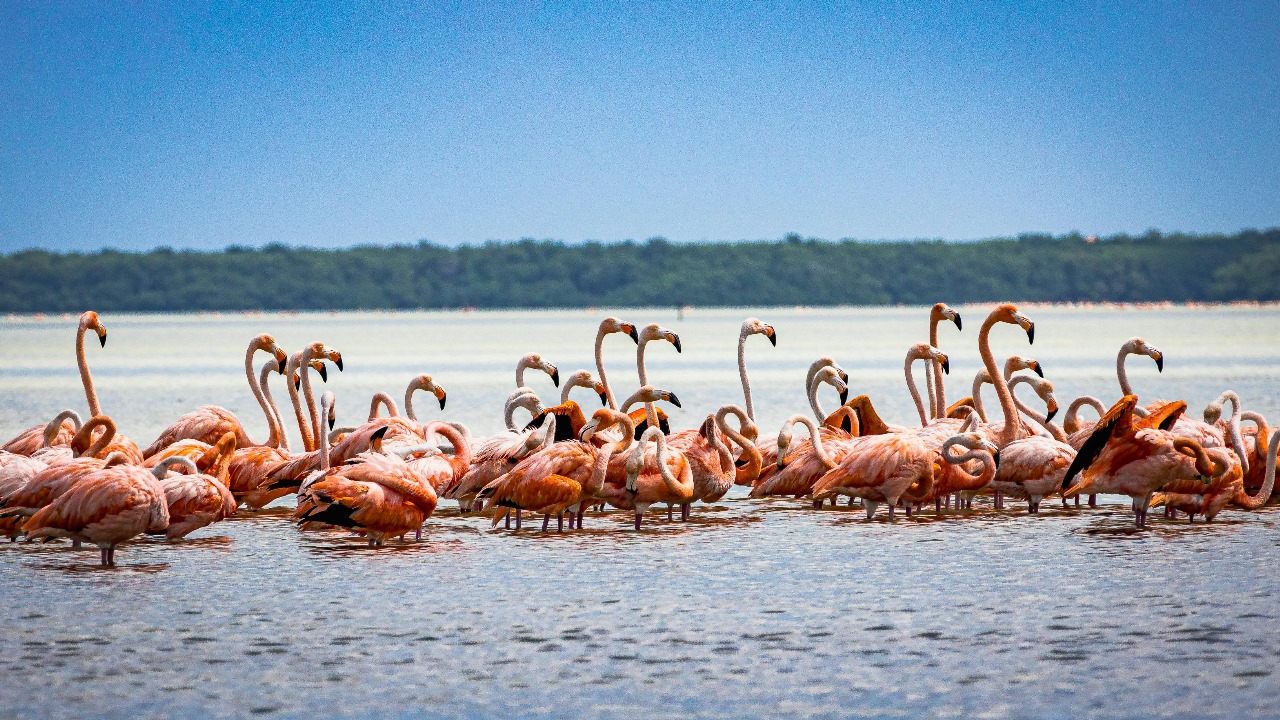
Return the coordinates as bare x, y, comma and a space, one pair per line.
1071, 270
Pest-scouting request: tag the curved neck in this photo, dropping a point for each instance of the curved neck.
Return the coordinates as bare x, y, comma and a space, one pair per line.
255, 387
911, 387
520, 399
604, 379
641, 370
162, 468
82, 438
86, 379
723, 454
979, 379
304, 368
742, 374
660, 457
1204, 464
747, 473
381, 399
275, 426
1125, 387
569, 384
814, 368
1037, 417
968, 481
304, 428
54, 426
815, 436
812, 387
1233, 430
521, 366
1011, 422
461, 448
1071, 421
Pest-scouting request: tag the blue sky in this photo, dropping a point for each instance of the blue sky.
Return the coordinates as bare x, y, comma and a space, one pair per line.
132, 125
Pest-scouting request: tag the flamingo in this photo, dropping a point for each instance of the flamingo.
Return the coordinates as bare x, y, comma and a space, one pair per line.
608, 326
1033, 467
494, 456
710, 459
209, 422
31, 439
18, 470
883, 469
977, 447
1252, 440
59, 474
562, 477
937, 314
571, 417
828, 374
1128, 455
375, 493
667, 478
534, 361
1078, 431
1227, 486
1011, 366
796, 472
111, 505
825, 370
198, 499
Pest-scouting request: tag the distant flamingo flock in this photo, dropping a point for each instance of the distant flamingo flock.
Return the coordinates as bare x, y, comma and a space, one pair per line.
89, 483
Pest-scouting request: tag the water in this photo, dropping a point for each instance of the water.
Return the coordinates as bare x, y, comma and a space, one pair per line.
751, 608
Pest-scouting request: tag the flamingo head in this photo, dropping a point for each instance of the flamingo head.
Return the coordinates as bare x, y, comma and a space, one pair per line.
654, 331
1008, 313
89, 321
614, 325
754, 326
941, 312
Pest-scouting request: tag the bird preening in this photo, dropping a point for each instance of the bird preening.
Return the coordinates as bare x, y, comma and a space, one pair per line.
602, 449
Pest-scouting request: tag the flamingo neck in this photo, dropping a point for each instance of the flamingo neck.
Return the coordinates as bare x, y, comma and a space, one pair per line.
641, 370
929, 388
1233, 430
86, 379
461, 448
275, 426
911, 387
604, 379
755, 460
742, 374
324, 442
811, 387
304, 368
1071, 421
979, 380
98, 446
382, 399
815, 436
255, 388
521, 366
304, 429
1121, 373
1039, 418
1011, 421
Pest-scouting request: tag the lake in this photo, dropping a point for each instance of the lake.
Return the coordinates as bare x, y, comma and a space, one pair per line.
751, 608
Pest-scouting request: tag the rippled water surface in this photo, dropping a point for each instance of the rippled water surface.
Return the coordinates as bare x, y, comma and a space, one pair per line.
751, 608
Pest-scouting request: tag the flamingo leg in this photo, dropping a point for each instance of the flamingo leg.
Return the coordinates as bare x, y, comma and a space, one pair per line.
1093, 501
507, 519
545, 519
668, 512
560, 521
104, 557
518, 513
638, 514
684, 512
418, 535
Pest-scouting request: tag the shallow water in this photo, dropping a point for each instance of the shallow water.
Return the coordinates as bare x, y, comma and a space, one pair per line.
751, 608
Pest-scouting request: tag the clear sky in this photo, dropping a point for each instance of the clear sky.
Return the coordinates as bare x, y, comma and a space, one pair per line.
136, 125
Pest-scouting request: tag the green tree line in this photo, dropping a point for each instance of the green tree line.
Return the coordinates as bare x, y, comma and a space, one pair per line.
542, 274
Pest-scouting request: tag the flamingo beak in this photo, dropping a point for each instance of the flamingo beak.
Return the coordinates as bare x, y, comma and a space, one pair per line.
671, 398
333, 420
630, 330
956, 319
772, 335
324, 374
555, 376
1031, 333
946, 364
102, 339
441, 396
337, 360
675, 340
996, 457
1036, 367
297, 381
1159, 362
844, 396
844, 377
1052, 411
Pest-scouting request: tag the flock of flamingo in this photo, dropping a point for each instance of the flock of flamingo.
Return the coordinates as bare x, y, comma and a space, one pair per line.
383, 479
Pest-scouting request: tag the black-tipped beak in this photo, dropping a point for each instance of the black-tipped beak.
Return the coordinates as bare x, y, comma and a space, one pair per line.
604, 399
844, 377
332, 421
297, 383
844, 396
338, 362
773, 338
282, 365
1052, 412
378, 434
635, 336
946, 366
1031, 334
996, 456
102, 340
959, 325
1160, 364
676, 342
324, 374
555, 377
442, 399
671, 398
1038, 369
